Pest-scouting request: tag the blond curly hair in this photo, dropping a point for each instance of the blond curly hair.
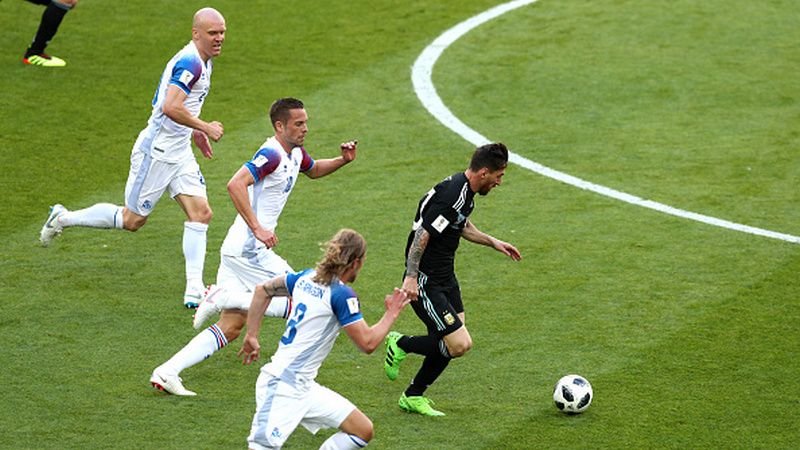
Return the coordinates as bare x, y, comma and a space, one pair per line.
343, 248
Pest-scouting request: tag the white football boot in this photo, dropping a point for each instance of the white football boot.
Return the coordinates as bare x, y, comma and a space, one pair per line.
169, 383
208, 306
52, 227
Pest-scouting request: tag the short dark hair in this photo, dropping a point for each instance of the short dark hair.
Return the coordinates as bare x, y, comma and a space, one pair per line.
279, 111
493, 156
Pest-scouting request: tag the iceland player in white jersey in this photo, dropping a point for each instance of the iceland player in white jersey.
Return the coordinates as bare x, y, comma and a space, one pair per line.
162, 157
287, 394
259, 191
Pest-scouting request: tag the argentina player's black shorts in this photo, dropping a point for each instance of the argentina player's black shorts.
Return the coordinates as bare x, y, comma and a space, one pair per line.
438, 305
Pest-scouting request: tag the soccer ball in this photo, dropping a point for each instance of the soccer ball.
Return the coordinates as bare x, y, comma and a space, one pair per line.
572, 394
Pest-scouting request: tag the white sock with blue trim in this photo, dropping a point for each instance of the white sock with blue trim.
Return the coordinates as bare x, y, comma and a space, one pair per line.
101, 215
198, 349
343, 441
194, 250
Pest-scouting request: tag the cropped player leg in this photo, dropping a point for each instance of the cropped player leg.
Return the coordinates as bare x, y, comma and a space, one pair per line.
101, 215
238, 300
329, 409
195, 231
279, 409
198, 349
51, 19
432, 366
343, 441
132, 221
458, 342
356, 431
231, 322
147, 181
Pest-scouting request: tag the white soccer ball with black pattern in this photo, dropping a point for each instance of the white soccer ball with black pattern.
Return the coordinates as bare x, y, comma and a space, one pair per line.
573, 394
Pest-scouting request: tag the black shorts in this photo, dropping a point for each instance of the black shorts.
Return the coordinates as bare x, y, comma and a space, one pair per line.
438, 305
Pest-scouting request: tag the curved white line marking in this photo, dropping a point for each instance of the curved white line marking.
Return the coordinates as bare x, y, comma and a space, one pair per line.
423, 86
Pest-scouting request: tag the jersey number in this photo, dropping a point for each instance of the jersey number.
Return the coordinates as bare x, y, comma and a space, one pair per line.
291, 326
422, 204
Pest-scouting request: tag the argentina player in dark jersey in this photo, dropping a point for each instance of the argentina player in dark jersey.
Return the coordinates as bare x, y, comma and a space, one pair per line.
442, 220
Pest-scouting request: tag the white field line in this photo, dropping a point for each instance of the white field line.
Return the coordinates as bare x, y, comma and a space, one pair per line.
426, 91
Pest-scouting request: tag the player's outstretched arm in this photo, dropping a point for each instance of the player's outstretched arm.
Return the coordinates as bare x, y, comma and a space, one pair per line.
367, 338
262, 296
473, 234
324, 167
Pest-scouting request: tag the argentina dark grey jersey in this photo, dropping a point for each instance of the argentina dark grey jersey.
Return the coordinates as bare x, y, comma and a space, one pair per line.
443, 213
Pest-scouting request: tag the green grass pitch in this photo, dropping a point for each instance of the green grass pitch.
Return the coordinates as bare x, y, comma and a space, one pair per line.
688, 333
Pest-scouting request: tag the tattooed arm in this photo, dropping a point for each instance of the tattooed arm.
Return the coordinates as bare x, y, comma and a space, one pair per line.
262, 296
410, 284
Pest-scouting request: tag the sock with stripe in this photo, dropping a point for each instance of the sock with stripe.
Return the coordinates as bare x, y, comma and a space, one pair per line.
343, 441
101, 215
198, 349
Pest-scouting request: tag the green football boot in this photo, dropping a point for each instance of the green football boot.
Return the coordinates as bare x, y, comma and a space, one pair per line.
394, 355
44, 60
419, 405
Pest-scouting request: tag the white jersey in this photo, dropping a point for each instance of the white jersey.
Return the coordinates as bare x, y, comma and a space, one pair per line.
275, 173
164, 139
319, 313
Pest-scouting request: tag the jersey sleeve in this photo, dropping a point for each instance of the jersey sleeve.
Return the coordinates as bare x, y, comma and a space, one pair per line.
307, 163
186, 72
345, 305
291, 279
264, 162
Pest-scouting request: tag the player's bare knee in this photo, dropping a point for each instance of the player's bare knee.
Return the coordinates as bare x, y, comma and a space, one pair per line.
201, 215
231, 333
368, 433
358, 424
231, 323
366, 430
457, 351
205, 215
133, 222
460, 347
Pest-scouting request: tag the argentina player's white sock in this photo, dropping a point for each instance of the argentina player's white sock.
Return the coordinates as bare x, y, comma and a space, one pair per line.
343, 441
101, 215
194, 250
198, 349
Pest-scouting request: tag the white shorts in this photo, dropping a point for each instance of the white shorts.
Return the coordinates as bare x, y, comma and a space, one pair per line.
280, 407
240, 274
148, 179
